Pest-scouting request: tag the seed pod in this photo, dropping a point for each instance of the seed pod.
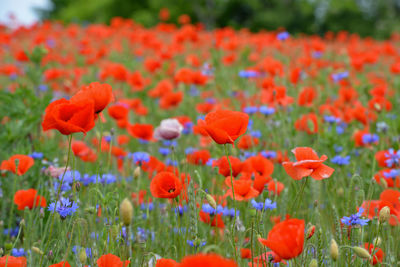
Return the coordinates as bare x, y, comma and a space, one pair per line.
82, 256
334, 250
362, 252
377, 241
211, 201
37, 250
136, 172
313, 263
126, 211
384, 214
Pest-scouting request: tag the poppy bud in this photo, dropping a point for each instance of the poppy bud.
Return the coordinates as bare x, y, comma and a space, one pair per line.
82, 256
126, 211
211, 201
8, 246
253, 212
310, 231
77, 186
334, 250
37, 250
377, 241
340, 191
362, 252
22, 222
384, 214
136, 172
383, 183
313, 263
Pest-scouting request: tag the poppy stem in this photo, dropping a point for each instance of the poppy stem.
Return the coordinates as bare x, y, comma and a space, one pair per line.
53, 214
234, 203
299, 194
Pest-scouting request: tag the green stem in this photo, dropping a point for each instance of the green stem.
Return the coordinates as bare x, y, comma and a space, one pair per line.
53, 214
233, 230
299, 194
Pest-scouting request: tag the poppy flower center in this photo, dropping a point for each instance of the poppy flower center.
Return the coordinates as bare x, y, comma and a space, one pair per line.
171, 190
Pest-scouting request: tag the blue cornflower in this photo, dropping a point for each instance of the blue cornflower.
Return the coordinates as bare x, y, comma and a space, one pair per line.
164, 151
67, 180
64, 207
337, 148
341, 127
229, 212
189, 150
88, 179
266, 205
268, 154
170, 162
195, 243
339, 160
181, 209
108, 178
210, 162
11, 231
355, 219
369, 138
36, 155
170, 143
107, 138
187, 128
248, 73
206, 208
331, 119
140, 157
193, 91
336, 77
147, 206
394, 157
211, 100
43, 87
317, 54
250, 109
13, 76
393, 173
18, 252
77, 249
266, 110
256, 134
282, 36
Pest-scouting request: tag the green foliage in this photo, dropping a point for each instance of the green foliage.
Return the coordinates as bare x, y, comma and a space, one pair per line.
367, 18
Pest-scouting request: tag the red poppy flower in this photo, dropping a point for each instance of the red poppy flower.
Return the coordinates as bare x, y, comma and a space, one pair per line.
215, 221
61, 264
247, 142
118, 112
245, 253
209, 260
11, 261
166, 263
223, 166
28, 199
275, 187
110, 260
308, 164
69, 117
141, 131
286, 238
101, 94
307, 96
258, 165
165, 185
171, 100
199, 157
378, 253
24, 164
224, 126
307, 123
243, 189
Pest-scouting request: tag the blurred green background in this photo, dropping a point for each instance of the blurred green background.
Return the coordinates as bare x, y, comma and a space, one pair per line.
376, 18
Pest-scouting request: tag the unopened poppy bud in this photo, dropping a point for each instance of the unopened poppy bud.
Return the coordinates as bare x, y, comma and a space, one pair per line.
340, 191
383, 183
8, 246
253, 212
377, 241
310, 231
362, 252
37, 250
136, 172
22, 222
334, 250
126, 211
313, 263
77, 186
384, 214
82, 256
211, 201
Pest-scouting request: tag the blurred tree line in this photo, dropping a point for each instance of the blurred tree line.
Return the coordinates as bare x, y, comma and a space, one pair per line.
377, 18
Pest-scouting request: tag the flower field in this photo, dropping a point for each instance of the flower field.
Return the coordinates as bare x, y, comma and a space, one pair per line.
175, 146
